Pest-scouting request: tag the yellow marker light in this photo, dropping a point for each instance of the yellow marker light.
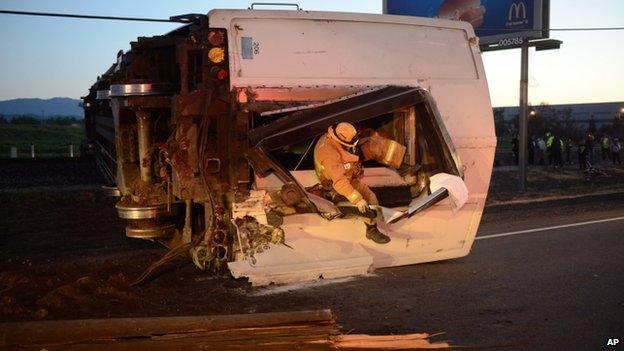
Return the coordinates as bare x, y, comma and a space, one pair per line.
216, 55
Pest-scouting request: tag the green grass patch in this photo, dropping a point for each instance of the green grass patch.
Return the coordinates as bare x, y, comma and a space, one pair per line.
49, 140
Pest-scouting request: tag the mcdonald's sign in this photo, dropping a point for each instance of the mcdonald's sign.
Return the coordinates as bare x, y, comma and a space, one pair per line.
493, 20
517, 13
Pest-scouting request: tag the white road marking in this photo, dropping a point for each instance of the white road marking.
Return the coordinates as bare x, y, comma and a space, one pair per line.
518, 232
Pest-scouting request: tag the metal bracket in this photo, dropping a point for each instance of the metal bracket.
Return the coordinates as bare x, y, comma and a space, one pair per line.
273, 4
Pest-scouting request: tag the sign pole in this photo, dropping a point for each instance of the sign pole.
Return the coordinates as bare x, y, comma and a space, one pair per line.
522, 118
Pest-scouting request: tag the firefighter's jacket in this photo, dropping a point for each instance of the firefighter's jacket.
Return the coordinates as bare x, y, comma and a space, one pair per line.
335, 165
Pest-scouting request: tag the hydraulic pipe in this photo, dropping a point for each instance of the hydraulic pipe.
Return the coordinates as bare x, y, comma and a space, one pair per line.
145, 142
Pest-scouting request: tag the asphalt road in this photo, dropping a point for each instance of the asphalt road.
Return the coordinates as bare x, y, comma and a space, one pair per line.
557, 289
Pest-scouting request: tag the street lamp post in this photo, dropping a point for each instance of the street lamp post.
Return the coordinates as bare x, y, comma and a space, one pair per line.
522, 118
544, 44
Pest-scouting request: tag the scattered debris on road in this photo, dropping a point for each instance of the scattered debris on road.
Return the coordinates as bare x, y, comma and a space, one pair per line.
309, 330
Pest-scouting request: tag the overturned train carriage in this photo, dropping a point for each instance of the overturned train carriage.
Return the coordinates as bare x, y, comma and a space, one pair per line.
207, 134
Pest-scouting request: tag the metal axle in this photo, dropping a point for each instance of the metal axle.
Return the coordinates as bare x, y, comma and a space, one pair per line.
145, 142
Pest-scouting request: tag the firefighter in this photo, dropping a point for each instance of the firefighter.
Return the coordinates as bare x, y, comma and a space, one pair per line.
339, 169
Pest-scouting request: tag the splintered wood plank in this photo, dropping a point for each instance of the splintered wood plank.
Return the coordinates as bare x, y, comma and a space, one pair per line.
50, 332
302, 330
416, 341
228, 340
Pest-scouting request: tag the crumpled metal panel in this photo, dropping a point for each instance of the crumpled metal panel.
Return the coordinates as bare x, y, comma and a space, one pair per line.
302, 125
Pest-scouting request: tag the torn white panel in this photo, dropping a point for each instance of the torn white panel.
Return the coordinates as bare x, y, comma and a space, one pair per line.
431, 235
309, 259
339, 247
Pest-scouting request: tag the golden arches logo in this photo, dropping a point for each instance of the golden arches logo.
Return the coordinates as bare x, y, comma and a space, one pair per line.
517, 9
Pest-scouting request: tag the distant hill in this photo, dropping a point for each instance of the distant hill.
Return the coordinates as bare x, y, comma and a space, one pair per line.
48, 107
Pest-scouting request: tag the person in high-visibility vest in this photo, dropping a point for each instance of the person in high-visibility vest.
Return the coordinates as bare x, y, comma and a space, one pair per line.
549, 143
339, 169
605, 145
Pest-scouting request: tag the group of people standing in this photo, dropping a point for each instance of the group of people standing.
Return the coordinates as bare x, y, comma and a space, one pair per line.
556, 151
611, 147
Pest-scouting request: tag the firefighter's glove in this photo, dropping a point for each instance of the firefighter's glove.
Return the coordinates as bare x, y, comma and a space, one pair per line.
362, 206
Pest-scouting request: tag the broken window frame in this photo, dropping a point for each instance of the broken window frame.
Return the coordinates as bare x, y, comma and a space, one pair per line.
304, 124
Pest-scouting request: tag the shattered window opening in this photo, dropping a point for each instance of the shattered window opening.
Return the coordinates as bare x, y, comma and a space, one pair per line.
395, 186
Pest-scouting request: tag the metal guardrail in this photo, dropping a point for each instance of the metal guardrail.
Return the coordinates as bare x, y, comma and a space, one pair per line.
69, 150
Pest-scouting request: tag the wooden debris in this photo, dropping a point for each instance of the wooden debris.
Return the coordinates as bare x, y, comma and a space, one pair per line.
387, 342
302, 330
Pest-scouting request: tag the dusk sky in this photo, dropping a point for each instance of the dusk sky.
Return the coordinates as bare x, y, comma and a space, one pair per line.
47, 57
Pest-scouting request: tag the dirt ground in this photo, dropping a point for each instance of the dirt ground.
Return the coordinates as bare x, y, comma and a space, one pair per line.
64, 254
545, 181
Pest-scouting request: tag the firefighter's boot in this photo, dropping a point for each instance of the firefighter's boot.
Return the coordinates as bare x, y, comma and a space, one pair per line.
375, 235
